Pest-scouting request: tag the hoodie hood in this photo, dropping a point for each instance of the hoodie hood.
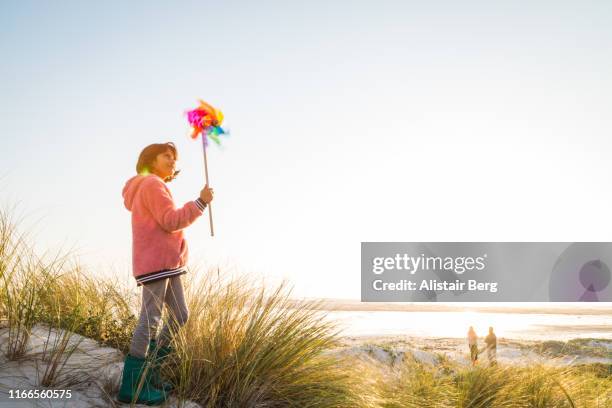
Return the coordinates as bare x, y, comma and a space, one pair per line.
131, 189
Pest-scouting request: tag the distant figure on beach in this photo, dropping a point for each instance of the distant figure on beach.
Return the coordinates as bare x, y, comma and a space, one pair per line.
473, 344
491, 342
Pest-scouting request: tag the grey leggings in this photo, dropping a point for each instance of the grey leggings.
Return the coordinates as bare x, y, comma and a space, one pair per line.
154, 295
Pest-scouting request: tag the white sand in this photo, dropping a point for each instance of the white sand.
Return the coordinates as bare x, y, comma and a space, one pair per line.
92, 373
391, 350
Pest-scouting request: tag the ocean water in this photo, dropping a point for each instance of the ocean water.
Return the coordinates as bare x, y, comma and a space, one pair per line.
528, 326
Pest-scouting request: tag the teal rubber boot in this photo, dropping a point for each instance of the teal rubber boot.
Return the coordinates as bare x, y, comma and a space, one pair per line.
132, 375
158, 355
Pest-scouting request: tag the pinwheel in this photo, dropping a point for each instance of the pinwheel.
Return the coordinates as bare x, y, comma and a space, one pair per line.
206, 121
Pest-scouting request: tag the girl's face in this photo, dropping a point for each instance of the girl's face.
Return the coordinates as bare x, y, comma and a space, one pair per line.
164, 164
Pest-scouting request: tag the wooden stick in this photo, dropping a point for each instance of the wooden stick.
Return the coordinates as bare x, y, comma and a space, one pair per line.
212, 229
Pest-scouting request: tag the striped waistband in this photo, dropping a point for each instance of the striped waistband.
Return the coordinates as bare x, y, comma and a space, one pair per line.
153, 276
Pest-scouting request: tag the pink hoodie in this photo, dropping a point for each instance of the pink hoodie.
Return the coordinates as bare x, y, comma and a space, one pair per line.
159, 249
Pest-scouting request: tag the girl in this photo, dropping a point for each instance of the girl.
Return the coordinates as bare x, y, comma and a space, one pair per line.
159, 255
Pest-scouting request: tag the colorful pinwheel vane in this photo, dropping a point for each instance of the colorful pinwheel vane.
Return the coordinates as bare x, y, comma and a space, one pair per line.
207, 121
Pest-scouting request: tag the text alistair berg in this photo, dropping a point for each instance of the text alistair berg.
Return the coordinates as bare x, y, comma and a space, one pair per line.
412, 264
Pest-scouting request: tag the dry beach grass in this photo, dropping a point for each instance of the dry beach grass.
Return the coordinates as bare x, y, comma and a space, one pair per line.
243, 346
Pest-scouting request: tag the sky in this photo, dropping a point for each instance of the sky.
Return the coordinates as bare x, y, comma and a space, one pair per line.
350, 121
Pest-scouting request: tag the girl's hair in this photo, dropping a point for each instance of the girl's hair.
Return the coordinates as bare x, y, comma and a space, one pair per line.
149, 154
